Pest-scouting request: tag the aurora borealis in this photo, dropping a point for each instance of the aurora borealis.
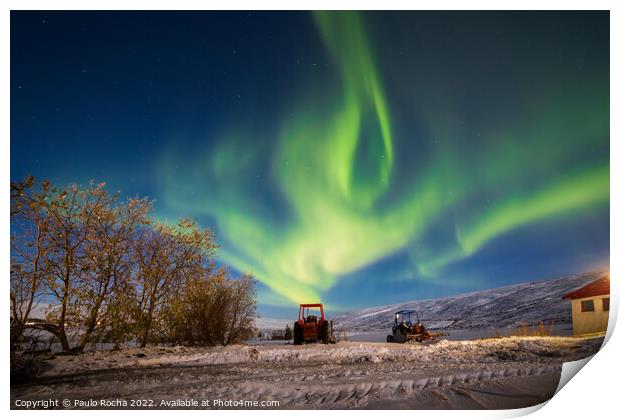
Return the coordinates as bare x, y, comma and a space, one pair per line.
351, 158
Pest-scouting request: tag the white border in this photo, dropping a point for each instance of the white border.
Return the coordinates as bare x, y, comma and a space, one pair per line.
591, 394
310, 5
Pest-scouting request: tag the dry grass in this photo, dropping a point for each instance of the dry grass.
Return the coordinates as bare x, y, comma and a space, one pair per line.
524, 330
539, 330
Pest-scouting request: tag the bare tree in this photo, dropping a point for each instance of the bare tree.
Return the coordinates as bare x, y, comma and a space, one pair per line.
166, 256
74, 217
213, 309
110, 273
242, 309
107, 264
29, 251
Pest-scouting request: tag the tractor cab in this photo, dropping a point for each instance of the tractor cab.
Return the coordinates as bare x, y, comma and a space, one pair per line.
407, 328
306, 316
311, 325
409, 318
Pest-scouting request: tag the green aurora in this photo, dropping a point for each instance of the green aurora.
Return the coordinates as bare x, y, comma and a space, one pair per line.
334, 184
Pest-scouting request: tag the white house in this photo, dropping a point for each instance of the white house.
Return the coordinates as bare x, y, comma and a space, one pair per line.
590, 307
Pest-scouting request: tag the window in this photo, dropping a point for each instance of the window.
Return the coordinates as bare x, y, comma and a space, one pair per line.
606, 304
587, 306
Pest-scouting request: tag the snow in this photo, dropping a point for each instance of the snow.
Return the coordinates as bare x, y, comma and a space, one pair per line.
468, 369
267, 324
344, 375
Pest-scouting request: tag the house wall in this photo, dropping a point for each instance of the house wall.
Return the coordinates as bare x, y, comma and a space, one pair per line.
589, 322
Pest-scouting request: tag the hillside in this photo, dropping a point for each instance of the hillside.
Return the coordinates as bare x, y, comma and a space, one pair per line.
495, 308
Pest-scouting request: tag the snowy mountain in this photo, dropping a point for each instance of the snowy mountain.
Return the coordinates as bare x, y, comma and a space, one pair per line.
503, 307
268, 324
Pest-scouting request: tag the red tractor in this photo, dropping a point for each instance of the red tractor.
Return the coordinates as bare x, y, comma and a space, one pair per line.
309, 328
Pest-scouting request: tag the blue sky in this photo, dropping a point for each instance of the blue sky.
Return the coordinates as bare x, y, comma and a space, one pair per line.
353, 158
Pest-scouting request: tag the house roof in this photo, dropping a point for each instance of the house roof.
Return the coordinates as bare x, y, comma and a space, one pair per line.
596, 288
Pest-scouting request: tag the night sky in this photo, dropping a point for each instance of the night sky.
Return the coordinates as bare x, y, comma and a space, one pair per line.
353, 159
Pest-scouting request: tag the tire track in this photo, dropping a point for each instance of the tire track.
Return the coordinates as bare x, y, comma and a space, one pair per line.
301, 386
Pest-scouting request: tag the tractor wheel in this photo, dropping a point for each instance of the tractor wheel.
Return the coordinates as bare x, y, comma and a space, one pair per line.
390, 338
323, 335
298, 334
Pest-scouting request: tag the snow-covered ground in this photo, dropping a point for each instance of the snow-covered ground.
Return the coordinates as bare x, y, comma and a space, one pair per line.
495, 373
461, 371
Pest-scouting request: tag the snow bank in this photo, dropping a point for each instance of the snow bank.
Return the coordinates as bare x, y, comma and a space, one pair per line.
451, 352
